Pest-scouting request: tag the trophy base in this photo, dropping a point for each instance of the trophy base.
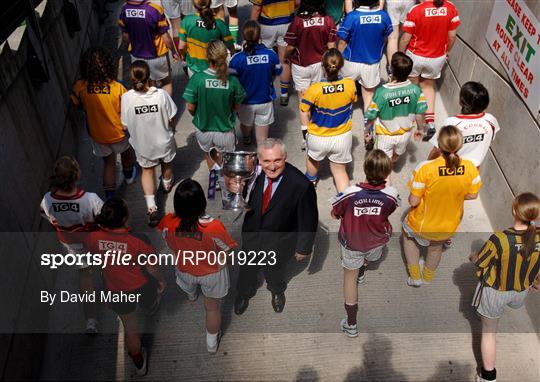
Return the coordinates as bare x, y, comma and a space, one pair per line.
237, 203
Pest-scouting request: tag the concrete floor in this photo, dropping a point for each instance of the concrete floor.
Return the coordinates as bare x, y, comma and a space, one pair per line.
406, 334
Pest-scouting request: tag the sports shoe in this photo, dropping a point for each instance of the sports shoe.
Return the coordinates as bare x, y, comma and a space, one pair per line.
133, 176
303, 145
153, 219
284, 100
429, 132
414, 283
144, 368
480, 379
91, 327
349, 330
448, 244
211, 345
362, 273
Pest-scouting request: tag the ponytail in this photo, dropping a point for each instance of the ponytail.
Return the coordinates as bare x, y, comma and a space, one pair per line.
332, 63
450, 141
207, 15
217, 57
139, 75
252, 34
526, 208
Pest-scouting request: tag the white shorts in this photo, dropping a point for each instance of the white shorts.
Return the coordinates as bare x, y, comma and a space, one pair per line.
426, 67
223, 142
274, 34
490, 302
337, 149
411, 234
258, 115
160, 67
214, 285
172, 8
74, 248
355, 259
228, 3
367, 75
104, 150
167, 157
398, 9
391, 144
304, 76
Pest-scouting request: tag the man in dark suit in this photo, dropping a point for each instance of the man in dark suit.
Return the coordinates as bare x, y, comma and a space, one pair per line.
282, 218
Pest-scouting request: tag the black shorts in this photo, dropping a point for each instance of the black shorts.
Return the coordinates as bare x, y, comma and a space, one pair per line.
147, 297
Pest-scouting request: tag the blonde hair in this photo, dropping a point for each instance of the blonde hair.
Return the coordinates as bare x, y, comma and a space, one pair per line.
450, 141
217, 57
526, 208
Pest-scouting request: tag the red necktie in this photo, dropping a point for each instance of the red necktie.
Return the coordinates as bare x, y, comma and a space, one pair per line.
267, 195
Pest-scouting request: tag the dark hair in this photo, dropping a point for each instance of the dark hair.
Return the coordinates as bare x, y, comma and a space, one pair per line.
207, 14
377, 167
66, 173
473, 98
251, 31
114, 214
438, 3
97, 66
526, 208
366, 3
450, 140
189, 205
308, 8
401, 66
139, 74
332, 63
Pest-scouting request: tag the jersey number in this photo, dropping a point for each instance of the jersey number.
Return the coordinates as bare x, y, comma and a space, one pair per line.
329, 89
399, 101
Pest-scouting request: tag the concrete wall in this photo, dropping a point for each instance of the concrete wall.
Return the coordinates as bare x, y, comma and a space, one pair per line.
513, 164
36, 127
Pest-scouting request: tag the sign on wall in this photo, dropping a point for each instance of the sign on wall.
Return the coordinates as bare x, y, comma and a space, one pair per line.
514, 36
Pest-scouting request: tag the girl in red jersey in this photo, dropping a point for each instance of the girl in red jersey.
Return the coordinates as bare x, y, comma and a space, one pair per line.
72, 212
188, 231
428, 36
143, 284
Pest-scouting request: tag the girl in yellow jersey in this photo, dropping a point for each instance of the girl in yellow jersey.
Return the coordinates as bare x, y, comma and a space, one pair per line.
438, 189
509, 265
326, 110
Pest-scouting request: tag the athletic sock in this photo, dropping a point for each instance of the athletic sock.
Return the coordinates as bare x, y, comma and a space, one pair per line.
414, 271
234, 31
430, 117
490, 375
312, 178
167, 182
428, 274
150, 202
137, 359
284, 88
351, 313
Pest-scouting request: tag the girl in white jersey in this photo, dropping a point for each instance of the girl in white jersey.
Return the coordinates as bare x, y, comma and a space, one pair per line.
72, 212
477, 126
148, 114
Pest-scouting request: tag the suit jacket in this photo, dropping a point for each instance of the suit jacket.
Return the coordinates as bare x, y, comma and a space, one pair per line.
289, 223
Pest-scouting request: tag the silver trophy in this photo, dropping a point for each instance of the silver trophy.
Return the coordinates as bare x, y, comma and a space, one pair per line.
237, 168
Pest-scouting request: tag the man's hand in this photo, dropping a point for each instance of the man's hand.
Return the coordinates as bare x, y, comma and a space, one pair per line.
300, 257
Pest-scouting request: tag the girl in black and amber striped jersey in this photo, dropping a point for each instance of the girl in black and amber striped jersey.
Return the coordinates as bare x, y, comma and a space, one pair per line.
509, 265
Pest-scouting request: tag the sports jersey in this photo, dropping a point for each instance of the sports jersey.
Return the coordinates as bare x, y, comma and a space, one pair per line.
194, 33
478, 132
334, 9
502, 267
144, 22
71, 214
331, 107
121, 278
442, 193
275, 12
210, 237
310, 37
429, 27
215, 100
101, 102
147, 116
256, 73
395, 105
364, 210
364, 30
